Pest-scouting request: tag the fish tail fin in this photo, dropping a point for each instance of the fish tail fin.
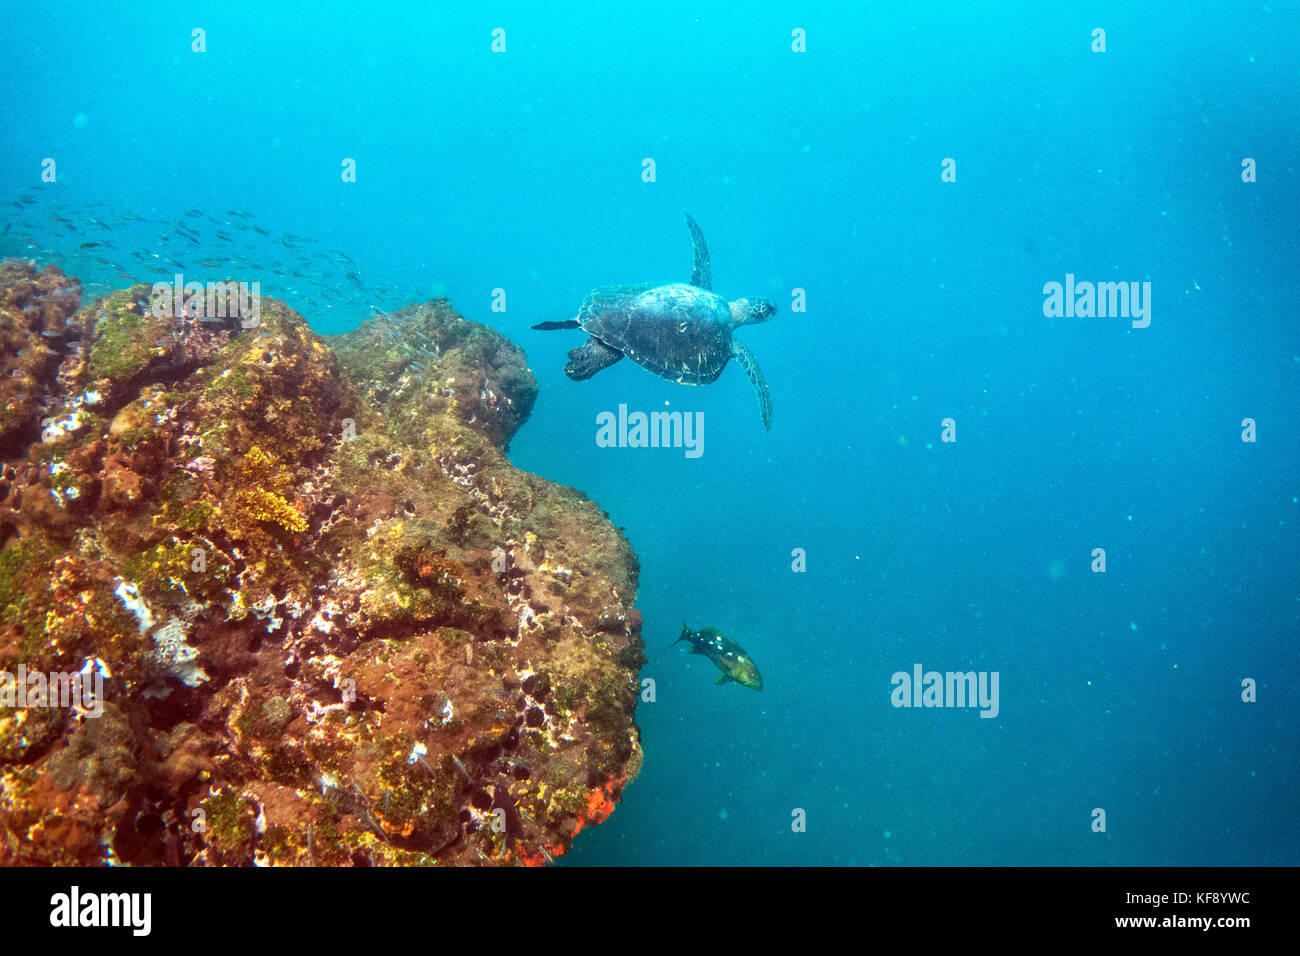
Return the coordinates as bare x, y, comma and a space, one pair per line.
685, 633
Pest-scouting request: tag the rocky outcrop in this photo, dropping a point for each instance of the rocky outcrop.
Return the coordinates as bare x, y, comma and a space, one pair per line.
334, 625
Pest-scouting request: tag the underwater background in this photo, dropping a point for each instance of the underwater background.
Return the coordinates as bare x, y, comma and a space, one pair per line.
820, 170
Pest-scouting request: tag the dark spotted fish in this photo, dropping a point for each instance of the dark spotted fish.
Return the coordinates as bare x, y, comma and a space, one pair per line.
728, 656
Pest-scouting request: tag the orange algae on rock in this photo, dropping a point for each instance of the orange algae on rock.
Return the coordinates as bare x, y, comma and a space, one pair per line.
600, 804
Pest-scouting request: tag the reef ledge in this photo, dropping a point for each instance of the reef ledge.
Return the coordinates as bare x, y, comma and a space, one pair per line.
329, 622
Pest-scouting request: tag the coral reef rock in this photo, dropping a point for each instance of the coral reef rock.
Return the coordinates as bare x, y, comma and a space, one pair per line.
333, 624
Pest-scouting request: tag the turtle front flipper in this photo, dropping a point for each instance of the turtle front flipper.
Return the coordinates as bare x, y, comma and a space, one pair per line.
593, 356
700, 275
750, 364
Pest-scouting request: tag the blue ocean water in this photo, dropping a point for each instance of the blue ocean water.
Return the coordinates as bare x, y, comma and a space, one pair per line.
819, 171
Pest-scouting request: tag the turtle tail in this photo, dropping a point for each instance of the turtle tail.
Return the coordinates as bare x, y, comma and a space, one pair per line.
550, 326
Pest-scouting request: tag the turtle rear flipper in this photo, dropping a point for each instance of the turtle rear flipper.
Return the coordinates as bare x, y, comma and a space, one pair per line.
593, 356
700, 275
750, 364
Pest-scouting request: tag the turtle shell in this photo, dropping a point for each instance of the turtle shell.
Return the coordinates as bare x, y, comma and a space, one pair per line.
677, 331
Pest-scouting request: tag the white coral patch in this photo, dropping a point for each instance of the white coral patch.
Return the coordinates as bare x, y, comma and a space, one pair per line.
323, 621
173, 656
265, 610
315, 713
129, 595
93, 665
56, 428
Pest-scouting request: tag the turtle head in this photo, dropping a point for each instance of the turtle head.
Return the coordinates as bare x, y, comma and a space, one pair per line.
751, 311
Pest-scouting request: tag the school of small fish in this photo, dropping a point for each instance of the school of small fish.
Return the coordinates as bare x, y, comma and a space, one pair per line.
108, 248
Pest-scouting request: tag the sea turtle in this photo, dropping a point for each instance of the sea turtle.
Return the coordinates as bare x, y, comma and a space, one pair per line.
679, 331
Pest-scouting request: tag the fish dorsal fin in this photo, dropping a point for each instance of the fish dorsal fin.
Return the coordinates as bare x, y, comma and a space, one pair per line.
701, 276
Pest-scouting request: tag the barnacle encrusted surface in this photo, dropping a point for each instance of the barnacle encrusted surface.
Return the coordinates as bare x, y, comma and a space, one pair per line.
341, 628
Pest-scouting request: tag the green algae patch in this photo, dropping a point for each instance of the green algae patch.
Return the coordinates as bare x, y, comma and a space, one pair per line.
126, 337
229, 822
259, 504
